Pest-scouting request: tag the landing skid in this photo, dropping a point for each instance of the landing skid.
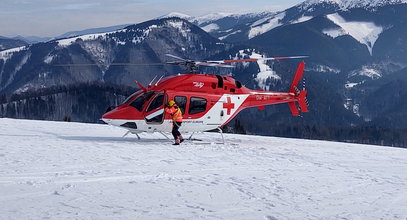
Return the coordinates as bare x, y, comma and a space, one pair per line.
188, 140
191, 140
128, 132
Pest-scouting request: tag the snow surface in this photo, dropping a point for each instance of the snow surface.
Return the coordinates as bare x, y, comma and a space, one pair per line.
62, 170
69, 41
211, 17
263, 25
365, 32
266, 72
350, 85
323, 69
302, 19
210, 27
349, 4
368, 71
6, 54
97, 50
230, 34
335, 32
176, 14
49, 58
180, 25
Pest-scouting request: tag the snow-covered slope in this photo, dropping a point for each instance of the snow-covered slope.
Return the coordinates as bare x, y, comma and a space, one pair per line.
204, 19
349, 4
175, 14
241, 27
92, 31
63, 170
365, 32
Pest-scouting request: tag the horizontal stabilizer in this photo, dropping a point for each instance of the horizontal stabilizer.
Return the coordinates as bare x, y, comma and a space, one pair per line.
302, 100
293, 108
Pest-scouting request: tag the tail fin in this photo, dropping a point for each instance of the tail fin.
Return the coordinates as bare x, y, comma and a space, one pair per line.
300, 95
297, 77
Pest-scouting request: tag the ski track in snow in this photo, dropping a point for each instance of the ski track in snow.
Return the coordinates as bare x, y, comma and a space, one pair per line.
64, 170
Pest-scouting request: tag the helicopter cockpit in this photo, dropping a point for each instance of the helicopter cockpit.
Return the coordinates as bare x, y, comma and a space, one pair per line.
149, 103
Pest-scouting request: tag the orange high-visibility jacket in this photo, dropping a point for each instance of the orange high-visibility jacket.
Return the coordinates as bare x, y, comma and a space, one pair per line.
175, 112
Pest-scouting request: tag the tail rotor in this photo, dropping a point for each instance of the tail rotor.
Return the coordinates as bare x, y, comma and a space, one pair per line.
300, 95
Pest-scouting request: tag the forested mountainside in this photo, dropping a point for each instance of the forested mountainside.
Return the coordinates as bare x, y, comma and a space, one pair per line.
85, 102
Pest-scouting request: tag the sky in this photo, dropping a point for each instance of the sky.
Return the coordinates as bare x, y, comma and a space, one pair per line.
50, 18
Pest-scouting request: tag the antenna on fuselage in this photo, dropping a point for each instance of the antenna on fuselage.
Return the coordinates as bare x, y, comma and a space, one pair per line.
151, 82
159, 80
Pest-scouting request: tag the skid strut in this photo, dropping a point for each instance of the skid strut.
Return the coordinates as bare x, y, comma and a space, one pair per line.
128, 132
221, 133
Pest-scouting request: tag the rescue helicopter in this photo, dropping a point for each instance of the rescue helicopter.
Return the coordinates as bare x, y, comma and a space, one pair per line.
207, 101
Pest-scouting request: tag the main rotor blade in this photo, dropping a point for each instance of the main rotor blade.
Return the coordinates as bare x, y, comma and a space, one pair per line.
176, 57
283, 58
176, 63
214, 64
256, 59
111, 64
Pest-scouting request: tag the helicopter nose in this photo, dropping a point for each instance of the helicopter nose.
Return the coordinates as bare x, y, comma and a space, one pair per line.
108, 117
122, 112
112, 113
110, 108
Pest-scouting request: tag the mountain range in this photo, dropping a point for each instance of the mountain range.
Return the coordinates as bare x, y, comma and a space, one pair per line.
356, 73
8, 43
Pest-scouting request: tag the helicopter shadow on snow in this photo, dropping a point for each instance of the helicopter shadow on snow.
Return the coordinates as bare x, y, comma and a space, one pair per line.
112, 139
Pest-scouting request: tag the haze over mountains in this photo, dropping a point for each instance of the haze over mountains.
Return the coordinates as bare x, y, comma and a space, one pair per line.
356, 73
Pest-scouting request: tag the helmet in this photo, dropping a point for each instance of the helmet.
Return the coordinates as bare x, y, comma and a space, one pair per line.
171, 102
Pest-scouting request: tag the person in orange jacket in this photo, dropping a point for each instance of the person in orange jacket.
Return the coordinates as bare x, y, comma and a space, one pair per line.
176, 114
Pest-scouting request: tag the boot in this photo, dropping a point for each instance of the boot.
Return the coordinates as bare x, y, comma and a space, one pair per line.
177, 141
181, 139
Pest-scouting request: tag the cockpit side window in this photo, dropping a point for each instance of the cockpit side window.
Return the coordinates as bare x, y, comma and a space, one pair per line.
197, 105
181, 102
141, 100
131, 96
157, 102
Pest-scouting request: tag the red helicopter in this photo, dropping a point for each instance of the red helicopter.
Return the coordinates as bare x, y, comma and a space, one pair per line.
207, 101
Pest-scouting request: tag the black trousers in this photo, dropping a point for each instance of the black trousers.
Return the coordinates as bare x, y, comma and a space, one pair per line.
175, 127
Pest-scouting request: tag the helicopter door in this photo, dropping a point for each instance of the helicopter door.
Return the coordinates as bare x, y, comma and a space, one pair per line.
155, 110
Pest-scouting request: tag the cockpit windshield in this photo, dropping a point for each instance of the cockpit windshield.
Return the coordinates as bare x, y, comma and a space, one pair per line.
141, 100
132, 95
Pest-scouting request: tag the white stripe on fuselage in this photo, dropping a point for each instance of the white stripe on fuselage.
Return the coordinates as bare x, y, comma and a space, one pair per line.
157, 113
214, 115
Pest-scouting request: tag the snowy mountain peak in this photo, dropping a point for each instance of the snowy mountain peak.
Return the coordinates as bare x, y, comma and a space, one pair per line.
176, 14
349, 4
140, 31
211, 17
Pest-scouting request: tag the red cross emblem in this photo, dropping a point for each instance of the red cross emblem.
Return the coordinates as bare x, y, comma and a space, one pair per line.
229, 105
